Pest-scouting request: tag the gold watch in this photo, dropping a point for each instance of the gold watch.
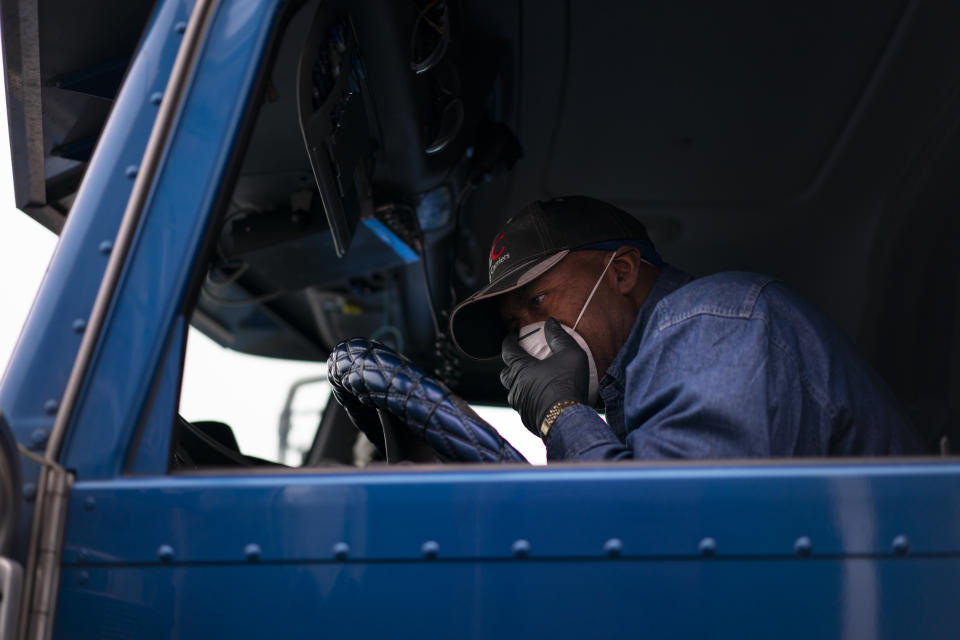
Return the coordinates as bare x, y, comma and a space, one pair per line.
552, 416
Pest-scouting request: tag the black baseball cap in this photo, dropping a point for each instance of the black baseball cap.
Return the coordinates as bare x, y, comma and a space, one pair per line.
528, 245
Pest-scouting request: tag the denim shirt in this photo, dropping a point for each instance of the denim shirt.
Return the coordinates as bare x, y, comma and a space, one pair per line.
733, 365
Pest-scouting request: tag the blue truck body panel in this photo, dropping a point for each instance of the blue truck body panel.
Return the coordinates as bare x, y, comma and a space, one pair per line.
36, 376
336, 553
568, 512
175, 220
781, 598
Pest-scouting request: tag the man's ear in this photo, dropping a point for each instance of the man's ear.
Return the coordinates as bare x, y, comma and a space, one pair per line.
626, 268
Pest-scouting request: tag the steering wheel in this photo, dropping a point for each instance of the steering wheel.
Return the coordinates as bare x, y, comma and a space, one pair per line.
399, 407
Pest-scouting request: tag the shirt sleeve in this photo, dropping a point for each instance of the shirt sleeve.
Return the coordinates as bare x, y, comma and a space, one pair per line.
706, 387
709, 386
579, 433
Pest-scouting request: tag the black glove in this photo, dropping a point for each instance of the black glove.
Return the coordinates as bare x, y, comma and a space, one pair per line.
536, 385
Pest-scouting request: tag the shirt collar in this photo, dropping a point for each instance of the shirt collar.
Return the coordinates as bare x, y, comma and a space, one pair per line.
668, 281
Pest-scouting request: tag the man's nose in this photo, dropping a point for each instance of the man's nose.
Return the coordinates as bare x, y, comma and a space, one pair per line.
524, 317
521, 319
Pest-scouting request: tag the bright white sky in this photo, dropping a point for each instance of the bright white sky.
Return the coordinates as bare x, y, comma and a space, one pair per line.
246, 392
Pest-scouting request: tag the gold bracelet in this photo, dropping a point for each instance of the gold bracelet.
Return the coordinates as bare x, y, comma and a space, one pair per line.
552, 416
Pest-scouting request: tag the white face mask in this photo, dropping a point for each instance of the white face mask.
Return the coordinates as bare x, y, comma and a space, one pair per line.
534, 342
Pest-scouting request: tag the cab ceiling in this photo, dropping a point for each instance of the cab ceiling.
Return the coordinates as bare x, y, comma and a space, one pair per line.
708, 102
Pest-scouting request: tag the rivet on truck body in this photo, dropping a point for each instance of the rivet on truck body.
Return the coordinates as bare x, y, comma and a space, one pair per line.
613, 547
803, 546
430, 549
520, 548
180, 27
156, 98
79, 325
29, 492
38, 438
901, 545
50, 407
83, 577
131, 171
106, 247
252, 552
165, 553
707, 547
90, 503
341, 550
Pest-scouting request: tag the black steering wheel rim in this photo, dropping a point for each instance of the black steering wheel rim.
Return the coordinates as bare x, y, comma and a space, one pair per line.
367, 376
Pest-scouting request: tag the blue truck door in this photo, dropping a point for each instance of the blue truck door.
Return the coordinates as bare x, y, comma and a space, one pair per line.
57, 380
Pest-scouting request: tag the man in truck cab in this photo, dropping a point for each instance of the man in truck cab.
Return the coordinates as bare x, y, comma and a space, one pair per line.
582, 309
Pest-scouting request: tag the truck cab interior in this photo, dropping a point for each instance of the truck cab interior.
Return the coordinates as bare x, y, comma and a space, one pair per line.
816, 142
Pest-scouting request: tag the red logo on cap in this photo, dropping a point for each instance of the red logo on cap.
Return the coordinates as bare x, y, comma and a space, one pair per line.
494, 252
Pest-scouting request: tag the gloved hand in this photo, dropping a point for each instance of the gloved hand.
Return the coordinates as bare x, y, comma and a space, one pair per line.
536, 385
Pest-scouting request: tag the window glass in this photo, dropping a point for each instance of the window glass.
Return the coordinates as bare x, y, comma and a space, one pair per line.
251, 394
508, 424
248, 393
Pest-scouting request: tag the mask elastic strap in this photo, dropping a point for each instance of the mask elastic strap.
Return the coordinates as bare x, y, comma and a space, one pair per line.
594, 290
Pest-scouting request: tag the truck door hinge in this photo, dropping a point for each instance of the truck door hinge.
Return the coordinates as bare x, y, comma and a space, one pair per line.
42, 577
